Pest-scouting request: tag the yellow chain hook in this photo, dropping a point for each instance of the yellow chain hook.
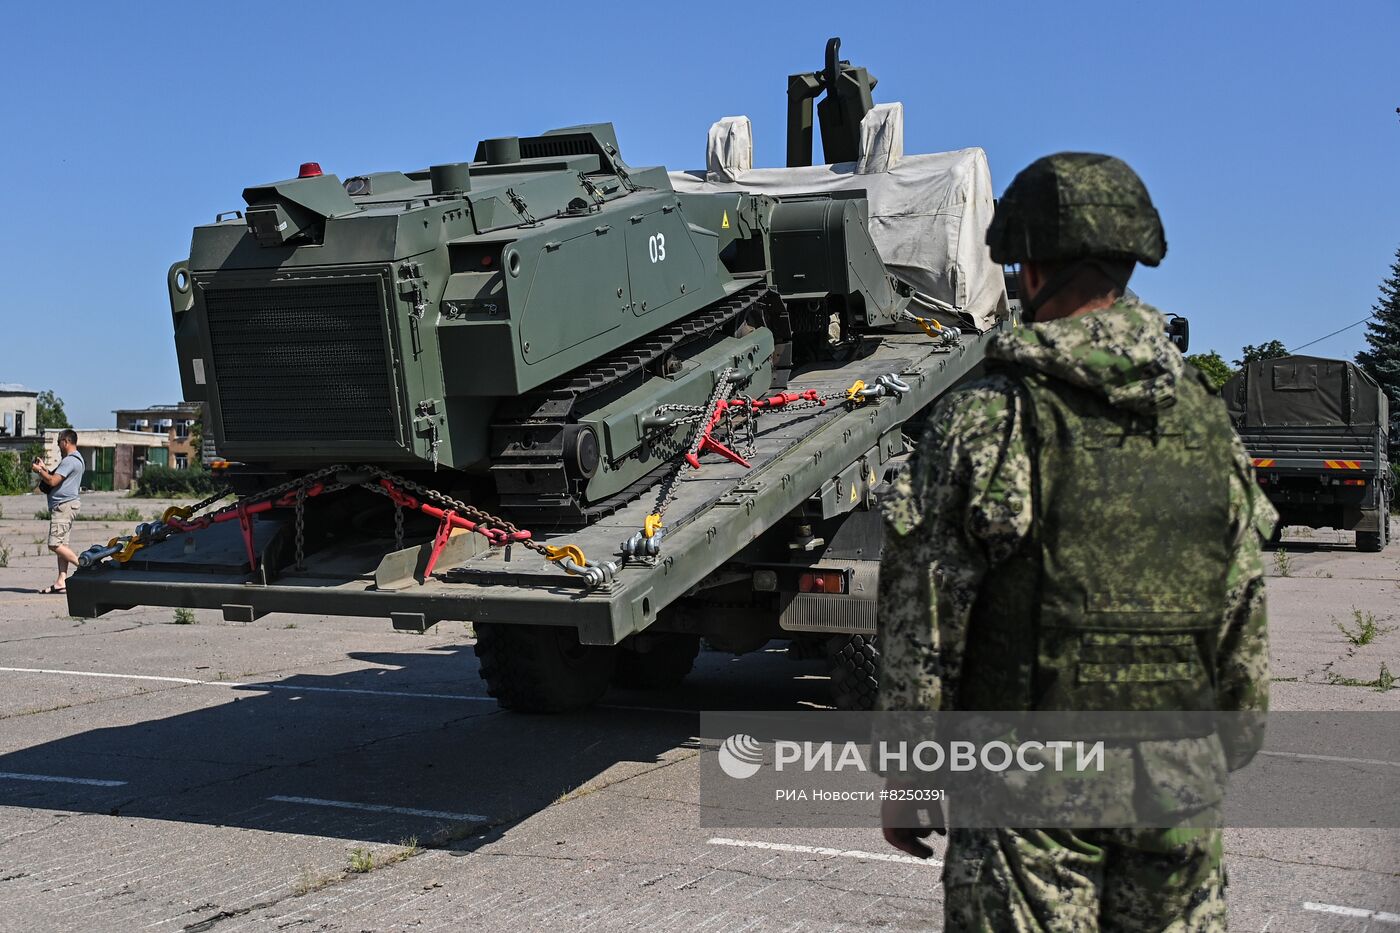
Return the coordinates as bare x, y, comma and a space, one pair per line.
127, 552
651, 525
176, 511
571, 551
853, 393
928, 325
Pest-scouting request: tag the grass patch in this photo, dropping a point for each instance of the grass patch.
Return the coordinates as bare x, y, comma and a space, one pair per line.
4, 555
1363, 629
185, 616
361, 860
1383, 682
407, 849
311, 881
129, 514
1283, 563
290, 625
164, 482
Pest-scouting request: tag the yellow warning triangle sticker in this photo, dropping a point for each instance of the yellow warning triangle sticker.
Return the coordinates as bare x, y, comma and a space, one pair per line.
724, 224
854, 497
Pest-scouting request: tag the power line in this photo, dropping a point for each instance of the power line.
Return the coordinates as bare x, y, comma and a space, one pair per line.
1333, 334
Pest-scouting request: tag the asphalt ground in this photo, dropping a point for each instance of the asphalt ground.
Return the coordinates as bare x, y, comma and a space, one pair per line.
330, 774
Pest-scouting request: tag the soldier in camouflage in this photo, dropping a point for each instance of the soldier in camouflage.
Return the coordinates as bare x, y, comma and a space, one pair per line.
1080, 530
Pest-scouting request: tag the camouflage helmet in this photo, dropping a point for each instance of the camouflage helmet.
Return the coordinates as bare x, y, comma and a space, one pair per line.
1076, 205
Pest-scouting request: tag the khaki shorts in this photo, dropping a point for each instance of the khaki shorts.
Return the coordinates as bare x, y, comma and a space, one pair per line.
61, 522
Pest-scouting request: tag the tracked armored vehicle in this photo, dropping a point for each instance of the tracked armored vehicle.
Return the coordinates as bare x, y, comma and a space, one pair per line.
503, 323
595, 409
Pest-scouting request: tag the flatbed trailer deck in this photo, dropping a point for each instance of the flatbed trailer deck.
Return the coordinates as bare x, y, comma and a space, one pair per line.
836, 458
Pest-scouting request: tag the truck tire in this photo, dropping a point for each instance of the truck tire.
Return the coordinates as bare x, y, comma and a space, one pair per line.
665, 663
854, 663
542, 668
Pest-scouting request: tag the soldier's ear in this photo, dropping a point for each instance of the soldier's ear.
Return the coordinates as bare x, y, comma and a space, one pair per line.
1032, 279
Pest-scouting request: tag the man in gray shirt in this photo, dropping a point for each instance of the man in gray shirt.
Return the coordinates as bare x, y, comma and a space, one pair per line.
62, 485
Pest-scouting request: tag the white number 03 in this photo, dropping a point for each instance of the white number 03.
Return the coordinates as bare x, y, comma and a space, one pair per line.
656, 247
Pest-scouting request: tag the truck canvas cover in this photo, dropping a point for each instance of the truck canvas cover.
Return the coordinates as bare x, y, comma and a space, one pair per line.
928, 213
1299, 391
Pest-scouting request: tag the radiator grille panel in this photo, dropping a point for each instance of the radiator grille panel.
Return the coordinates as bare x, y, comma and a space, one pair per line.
301, 361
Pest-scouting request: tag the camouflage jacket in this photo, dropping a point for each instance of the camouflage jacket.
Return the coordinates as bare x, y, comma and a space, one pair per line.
965, 507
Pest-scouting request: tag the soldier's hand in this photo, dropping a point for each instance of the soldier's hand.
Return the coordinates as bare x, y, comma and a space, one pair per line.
909, 840
907, 823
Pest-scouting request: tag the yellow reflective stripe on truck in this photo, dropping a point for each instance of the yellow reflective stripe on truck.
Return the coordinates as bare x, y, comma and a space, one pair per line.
1343, 464
1263, 462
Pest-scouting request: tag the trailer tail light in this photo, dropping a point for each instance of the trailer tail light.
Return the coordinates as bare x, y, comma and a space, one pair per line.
822, 581
1263, 480
1353, 482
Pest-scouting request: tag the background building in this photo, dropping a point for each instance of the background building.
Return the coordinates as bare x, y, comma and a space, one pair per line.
172, 423
20, 413
112, 459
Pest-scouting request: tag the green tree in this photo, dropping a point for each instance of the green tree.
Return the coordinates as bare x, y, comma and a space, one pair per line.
50, 412
1213, 365
1264, 351
14, 474
1381, 358
197, 441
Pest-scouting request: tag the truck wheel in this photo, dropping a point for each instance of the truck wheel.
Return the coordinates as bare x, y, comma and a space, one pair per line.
542, 668
668, 658
1373, 541
854, 661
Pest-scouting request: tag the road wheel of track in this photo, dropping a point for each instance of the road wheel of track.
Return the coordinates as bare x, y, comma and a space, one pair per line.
667, 660
854, 662
542, 668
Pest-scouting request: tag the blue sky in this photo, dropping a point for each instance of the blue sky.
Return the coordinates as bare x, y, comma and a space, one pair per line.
1267, 133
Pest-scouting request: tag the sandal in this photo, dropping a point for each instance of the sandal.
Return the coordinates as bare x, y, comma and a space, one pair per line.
50, 590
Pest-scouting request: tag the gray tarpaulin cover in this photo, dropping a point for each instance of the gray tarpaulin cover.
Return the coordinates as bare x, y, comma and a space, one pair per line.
928, 213
1305, 391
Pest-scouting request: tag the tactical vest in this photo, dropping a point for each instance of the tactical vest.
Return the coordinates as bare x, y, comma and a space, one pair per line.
1116, 599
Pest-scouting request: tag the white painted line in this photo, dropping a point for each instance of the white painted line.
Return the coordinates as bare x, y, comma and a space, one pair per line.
377, 693
381, 808
56, 779
259, 685
239, 683
1380, 915
822, 850
1347, 761
41, 670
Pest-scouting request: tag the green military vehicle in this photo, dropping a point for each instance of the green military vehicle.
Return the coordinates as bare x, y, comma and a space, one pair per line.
597, 410
1316, 430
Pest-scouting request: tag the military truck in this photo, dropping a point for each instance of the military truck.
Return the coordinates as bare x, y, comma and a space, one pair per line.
1316, 430
599, 411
